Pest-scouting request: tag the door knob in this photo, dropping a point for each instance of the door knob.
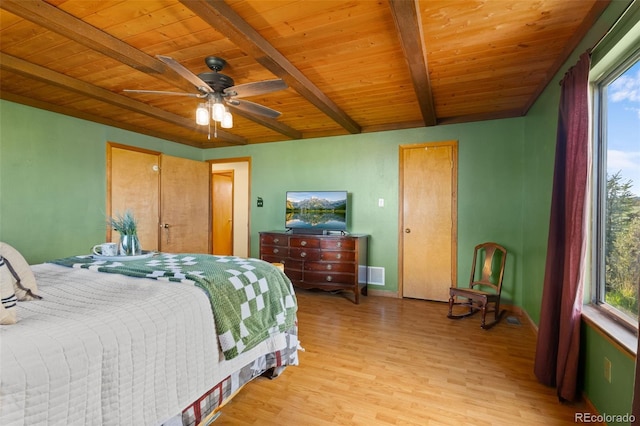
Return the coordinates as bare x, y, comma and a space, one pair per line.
408, 231
166, 226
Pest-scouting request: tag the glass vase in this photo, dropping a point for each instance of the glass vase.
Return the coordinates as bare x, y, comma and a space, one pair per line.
130, 245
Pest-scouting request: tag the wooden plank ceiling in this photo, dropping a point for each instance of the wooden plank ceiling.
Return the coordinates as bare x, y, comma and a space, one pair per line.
350, 66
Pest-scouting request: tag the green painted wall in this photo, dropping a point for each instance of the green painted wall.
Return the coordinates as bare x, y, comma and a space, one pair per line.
53, 179
367, 165
53, 183
539, 152
613, 398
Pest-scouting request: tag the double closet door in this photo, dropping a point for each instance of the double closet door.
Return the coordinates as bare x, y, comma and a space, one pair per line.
169, 197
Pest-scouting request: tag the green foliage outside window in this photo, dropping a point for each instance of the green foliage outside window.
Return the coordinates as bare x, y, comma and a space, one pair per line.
622, 246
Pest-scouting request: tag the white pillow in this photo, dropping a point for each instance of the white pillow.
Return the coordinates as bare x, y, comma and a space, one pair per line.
22, 277
8, 314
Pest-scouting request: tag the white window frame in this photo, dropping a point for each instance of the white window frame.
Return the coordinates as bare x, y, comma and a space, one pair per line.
618, 44
599, 149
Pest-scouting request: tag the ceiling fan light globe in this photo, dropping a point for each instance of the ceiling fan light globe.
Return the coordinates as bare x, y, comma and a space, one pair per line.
202, 115
227, 120
218, 112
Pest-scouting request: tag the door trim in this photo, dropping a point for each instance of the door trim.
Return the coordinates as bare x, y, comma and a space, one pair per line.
454, 209
246, 160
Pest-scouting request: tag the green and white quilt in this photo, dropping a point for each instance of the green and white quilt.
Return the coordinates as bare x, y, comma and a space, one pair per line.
251, 299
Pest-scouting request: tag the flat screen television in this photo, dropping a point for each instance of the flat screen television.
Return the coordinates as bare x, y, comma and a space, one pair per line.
316, 211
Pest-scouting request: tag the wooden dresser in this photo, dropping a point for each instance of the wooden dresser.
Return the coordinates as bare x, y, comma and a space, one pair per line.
326, 262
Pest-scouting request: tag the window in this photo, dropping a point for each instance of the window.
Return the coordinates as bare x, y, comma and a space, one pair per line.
617, 190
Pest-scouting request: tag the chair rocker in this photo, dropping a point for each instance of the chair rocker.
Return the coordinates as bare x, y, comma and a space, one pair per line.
483, 293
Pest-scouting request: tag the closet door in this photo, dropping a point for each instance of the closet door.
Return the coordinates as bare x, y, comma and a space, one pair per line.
133, 182
184, 224
428, 176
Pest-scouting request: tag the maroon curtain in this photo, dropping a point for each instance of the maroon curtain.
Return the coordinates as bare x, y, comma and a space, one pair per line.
558, 347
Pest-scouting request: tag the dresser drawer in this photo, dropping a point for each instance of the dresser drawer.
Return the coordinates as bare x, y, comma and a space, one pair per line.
305, 254
295, 275
328, 278
337, 244
329, 267
274, 251
304, 242
339, 256
293, 265
274, 240
273, 259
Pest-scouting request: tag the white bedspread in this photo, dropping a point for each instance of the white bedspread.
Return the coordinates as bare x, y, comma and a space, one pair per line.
105, 349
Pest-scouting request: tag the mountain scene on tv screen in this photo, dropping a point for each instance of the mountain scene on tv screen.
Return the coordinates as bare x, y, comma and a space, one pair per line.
315, 212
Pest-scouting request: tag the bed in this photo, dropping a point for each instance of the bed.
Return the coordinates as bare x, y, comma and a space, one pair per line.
150, 341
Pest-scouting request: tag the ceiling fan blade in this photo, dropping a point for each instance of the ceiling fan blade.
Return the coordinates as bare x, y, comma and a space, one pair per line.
256, 88
186, 74
254, 108
162, 92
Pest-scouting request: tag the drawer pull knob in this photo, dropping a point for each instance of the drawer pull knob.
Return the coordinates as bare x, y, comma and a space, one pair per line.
329, 278
328, 267
303, 254
276, 240
303, 243
339, 243
339, 256
276, 251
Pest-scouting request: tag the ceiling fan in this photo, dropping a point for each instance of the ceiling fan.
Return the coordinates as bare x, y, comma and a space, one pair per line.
218, 92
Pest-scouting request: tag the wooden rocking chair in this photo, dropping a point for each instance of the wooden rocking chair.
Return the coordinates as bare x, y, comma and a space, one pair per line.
486, 289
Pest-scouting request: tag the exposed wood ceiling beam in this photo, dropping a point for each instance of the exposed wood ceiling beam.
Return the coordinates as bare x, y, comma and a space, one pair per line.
221, 17
470, 118
10, 63
60, 22
406, 16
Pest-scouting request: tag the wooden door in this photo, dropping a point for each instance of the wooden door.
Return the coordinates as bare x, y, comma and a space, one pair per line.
133, 182
222, 183
184, 206
428, 179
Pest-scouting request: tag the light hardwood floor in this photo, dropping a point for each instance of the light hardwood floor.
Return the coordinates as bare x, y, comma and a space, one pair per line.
401, 362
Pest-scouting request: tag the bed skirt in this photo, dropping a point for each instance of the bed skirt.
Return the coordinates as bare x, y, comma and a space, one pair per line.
270, 365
